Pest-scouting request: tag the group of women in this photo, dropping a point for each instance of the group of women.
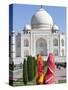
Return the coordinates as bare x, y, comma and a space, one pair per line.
49, 76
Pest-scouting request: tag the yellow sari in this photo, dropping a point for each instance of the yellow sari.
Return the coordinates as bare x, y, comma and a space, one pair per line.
39, 70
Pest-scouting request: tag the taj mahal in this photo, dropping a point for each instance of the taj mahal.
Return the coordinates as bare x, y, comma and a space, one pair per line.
41, 36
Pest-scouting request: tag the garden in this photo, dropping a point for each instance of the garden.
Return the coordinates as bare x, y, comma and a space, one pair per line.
29, 72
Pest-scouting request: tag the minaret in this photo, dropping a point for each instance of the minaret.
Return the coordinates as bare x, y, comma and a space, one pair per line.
12, 46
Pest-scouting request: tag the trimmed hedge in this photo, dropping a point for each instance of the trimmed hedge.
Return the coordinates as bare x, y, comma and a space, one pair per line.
31, 67
25, 74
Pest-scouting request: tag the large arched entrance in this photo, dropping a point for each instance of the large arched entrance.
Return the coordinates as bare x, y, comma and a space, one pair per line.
41, 46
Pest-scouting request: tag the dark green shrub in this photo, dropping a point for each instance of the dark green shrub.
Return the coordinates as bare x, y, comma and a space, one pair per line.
34, 66
31, 67
11, 66
25, 75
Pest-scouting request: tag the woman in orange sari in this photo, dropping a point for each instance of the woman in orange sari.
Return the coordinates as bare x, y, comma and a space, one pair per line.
39, 70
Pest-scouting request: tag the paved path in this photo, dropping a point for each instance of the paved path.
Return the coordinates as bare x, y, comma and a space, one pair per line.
16, 74
61, 73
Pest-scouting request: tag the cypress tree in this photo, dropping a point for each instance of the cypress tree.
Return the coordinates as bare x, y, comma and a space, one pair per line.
34, 66
31, 67
25, 75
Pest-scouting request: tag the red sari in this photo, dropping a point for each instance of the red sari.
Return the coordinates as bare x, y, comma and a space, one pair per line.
50, 74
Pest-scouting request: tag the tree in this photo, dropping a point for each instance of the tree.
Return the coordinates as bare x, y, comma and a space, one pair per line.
25, 75
34, 66
30, 67
11, 66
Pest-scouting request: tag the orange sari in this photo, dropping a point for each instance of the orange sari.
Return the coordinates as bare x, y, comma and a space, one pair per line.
39, 70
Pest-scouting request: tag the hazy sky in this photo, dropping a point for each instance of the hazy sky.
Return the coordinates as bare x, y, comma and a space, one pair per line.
22, 15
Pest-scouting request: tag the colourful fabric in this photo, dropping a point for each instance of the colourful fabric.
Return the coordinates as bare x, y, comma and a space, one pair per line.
49, 77
51, 62
50, 74
39, 70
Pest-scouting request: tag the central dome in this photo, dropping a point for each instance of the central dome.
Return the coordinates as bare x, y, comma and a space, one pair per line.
41, 19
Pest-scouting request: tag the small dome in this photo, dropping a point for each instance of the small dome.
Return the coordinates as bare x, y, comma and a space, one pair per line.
55, 27
12, 32
41, 18
27, 27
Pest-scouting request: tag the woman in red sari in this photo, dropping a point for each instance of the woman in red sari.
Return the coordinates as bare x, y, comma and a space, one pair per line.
39, 70
50, 74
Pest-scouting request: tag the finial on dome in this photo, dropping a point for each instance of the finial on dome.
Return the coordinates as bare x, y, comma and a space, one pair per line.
41, 6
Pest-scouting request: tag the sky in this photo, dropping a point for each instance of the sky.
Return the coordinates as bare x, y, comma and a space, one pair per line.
22, 15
